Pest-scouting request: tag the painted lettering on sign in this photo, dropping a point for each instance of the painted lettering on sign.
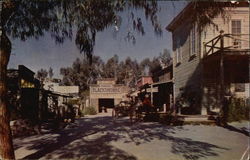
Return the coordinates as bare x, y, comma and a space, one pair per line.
105, 90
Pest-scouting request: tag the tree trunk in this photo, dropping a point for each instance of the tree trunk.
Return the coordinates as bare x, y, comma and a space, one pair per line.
6, 145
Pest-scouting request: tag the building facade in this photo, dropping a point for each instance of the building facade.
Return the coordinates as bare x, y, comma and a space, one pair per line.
162, 87
106, 93
23, 93
212, 61
142, 80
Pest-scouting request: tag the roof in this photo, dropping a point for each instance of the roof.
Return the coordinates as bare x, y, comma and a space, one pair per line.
178, 19
186, 12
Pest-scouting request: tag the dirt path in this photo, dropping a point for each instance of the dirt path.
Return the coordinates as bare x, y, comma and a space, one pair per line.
99, 137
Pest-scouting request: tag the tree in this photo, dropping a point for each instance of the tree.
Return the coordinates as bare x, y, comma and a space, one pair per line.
42, 74
165, 58
23, 19
144, 66
50, 73
110, 68
128, 72
81, 73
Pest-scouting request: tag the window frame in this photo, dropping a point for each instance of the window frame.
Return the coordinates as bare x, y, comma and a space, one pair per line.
236, 33
178, 51
193, 48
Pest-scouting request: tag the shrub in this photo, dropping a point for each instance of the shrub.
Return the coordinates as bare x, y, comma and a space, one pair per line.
238, 110
90, 111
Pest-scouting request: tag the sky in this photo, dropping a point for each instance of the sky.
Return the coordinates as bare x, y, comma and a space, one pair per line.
45, 53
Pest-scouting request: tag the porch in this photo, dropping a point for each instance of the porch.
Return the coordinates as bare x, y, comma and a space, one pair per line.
225, 70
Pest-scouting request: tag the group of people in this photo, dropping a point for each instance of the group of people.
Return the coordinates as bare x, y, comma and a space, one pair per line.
139, 105
134, 107
145, 105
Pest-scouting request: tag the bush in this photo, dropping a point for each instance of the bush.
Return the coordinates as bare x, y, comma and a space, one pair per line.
90, 111
238, 110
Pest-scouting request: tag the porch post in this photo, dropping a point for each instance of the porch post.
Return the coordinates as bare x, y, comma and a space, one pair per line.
151, 93
222, 87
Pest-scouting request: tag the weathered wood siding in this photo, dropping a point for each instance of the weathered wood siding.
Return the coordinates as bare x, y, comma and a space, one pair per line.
188, 73
240, 13
211, 87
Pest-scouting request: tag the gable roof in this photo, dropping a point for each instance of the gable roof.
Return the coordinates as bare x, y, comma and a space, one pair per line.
178, 19
187, 11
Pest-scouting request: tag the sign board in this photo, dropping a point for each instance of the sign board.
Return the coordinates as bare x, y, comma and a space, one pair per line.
155, 89
105, 90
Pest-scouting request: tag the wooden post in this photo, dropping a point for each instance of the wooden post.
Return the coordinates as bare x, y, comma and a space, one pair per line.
170, 101
222, 88
151, 92
212, 46
204, 50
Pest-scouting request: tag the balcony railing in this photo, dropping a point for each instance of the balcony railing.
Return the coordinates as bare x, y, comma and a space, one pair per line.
227, 42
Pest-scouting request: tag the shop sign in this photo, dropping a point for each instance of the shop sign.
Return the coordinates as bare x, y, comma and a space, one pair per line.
155, 89
105, 90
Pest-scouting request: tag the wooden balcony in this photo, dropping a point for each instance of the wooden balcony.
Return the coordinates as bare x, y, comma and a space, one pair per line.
225, 62
226, 57
228, 44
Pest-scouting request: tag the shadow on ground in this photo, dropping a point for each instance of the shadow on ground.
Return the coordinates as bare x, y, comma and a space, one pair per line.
92, 136
243, 130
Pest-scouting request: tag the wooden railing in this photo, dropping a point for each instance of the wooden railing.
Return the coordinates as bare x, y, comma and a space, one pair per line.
227, 42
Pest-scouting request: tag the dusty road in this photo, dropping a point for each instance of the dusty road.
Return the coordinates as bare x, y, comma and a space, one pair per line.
99, 137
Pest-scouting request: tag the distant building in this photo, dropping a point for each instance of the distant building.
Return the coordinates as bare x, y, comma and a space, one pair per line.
66, 90
208, 64
162, 87
62, 92
106, 93
144, 80
23, 92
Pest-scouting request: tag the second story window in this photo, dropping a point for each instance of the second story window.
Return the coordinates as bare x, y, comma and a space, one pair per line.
178, 51
193, 48
236, 31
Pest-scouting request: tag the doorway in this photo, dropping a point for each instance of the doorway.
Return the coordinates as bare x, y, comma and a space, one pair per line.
106, 103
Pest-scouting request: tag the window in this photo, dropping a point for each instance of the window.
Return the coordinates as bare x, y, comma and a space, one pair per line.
236, 31
178, 51
193, 48
239, 87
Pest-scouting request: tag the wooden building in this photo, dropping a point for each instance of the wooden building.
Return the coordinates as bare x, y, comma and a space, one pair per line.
23, 93
106, 93
142, 80
211, 63
163, 87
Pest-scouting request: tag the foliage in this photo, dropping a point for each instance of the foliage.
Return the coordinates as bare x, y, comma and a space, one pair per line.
50, 73
165, 58
126, 72
42, 74
23, 19
81, 73
203, 12
238, 109
110, 68
90, 111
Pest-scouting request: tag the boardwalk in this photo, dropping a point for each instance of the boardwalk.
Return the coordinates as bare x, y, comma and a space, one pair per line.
98, 137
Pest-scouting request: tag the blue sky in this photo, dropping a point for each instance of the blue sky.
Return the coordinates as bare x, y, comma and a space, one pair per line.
44, 53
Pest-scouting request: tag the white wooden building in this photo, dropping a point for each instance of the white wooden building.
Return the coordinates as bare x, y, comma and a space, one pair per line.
210, 64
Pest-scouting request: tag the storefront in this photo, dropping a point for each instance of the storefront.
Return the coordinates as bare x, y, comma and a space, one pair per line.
106, 94
23, 93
